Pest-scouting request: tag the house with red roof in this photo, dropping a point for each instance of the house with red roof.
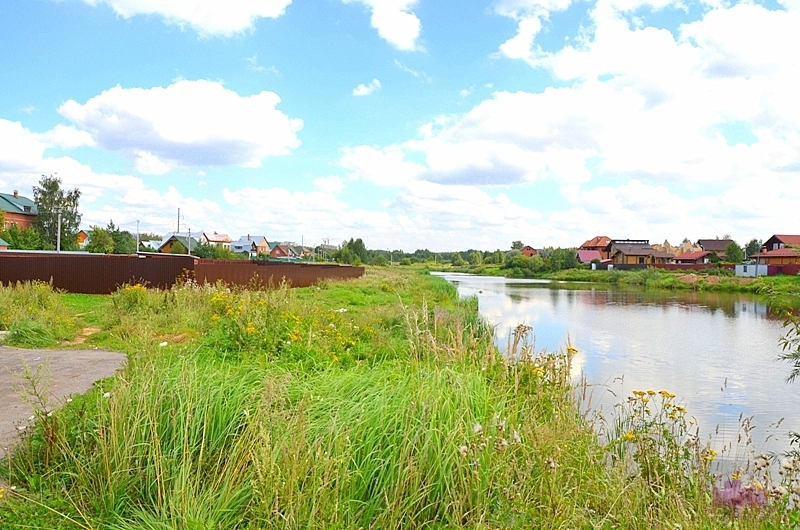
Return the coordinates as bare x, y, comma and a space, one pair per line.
780, 249
695, 258
528, 251
598, 243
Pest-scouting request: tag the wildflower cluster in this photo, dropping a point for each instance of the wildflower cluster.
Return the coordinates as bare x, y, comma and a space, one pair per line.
650, 432
131, 297
272, 322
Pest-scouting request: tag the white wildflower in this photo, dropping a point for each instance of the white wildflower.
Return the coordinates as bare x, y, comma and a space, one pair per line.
161, 345
516, 437
464, 450
107, 395
477, 428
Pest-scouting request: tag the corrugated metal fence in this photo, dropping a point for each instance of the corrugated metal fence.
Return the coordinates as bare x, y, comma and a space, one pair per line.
103, 274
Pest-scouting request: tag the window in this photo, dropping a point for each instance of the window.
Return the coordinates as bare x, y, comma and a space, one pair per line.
641, 259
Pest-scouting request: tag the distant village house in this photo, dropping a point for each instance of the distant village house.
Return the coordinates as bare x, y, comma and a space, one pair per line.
636, 252
18, 210
780, 250
598, 244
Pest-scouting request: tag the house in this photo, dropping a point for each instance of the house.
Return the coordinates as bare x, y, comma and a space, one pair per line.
717, 246
3, 244
82, 237
780, 249
694, 258
636, 252
528, 251
245, 246
778, 242
18, 210
303, 252
166, 245
283, 252
259, 245
588, 256
781, 256
598, 243
216, 240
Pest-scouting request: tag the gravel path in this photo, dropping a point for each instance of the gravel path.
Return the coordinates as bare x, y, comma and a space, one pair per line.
68, 372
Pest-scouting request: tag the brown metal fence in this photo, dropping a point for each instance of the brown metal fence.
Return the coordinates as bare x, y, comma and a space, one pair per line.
103, 274
270, 273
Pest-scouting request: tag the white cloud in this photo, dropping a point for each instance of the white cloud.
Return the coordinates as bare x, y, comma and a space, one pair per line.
415, 73
330, 185
366, 90
67, 137
209, 17
386, 167
189, 123
395, 22
252, 64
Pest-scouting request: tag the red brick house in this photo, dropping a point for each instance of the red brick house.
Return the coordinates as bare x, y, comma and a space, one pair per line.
528, 251
18, 210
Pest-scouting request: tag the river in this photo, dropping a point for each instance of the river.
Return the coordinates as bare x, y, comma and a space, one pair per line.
716, 351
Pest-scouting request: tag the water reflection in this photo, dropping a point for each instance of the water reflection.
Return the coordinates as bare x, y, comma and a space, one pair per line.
716, 351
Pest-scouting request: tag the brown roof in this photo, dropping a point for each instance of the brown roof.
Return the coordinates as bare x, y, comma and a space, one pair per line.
635, 250
714, 245
597, 241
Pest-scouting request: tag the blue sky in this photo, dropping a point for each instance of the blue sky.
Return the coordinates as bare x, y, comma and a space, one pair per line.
410, 123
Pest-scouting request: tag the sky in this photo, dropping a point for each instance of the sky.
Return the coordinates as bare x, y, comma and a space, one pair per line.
446, 124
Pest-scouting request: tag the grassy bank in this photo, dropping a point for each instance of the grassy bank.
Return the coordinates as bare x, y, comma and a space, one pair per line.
375, 403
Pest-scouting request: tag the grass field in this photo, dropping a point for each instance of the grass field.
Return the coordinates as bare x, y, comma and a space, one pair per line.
375, 403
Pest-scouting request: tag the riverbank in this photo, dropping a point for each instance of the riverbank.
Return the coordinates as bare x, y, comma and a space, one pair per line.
375, 403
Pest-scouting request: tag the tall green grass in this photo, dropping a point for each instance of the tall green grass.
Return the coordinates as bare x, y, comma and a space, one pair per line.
377, 403
34, 315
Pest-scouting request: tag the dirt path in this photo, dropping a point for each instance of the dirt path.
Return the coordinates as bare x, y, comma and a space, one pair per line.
69, 372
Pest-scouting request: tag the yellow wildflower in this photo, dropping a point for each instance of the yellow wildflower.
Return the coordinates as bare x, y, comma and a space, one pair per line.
572, 350
629, 435
214, 318
638, 393
666, 394
709, 454
651, 392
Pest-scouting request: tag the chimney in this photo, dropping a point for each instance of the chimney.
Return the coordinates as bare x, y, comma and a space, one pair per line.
16, 194
248, 237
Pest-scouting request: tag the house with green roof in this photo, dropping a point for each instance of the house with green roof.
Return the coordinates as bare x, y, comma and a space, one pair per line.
17, 210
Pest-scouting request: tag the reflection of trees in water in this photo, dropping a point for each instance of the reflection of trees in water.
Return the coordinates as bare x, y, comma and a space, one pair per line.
730, 304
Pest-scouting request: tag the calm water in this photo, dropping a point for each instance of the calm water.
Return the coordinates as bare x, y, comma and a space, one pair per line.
716, 351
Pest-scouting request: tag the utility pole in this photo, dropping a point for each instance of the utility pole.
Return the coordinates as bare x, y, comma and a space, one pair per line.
189, 241
58, 235
178, 231
137, 236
